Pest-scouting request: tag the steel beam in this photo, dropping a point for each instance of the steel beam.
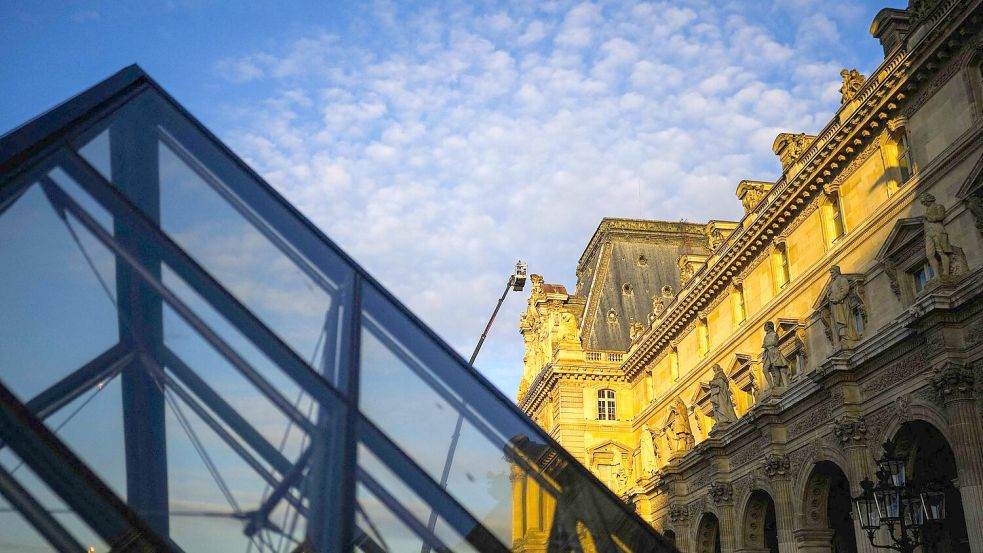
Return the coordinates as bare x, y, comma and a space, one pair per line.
68, 477
35, 513
136, 172
69, 388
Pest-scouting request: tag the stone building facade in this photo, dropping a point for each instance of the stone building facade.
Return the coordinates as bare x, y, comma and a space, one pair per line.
734, 381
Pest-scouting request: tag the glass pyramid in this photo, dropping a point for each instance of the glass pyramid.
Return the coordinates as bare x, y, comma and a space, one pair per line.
188, 364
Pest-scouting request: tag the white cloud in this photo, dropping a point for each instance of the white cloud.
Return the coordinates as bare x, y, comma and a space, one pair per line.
478, 138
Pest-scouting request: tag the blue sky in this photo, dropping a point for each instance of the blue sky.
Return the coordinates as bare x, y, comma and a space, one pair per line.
437, 143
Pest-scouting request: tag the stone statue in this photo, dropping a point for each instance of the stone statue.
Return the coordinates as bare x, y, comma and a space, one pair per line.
648, 452
773, 362
755, 388
635, 330
852, 82
677, 430
937, 246
837, 313
721, 398
568, 330
658, 306
620, 476
685, 271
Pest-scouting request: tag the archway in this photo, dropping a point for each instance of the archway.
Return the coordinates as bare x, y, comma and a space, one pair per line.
670, 537
828, 525
930, 459
760, 528
708, 534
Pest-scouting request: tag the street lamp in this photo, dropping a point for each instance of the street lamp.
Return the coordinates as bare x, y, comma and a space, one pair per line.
908, 510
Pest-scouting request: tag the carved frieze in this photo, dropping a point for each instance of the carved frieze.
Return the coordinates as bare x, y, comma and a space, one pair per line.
850, 430
811, 419
900, 371
748, 453
776, 465
720, 492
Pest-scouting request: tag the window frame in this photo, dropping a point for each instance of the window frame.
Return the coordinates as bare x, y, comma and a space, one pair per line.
607, 405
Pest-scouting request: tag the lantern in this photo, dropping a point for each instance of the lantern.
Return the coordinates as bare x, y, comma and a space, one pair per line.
867, 512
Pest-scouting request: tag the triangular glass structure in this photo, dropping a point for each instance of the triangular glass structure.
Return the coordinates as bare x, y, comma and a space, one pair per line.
243, 383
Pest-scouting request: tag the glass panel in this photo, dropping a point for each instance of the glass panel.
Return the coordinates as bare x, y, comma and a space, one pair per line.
494, 442
54, 292
238, 409
17, 534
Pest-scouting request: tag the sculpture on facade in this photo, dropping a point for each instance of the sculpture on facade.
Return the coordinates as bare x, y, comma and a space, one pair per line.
937, 246
648, 452
635, 330
658, 306
775, 366
620, 476
679, 436
852, 82
721, 399
843, 299
568, 330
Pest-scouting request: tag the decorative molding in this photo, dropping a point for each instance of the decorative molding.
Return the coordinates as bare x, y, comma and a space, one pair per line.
678, 513
954, 382
720, 492
849, 430
776, 465
812, 418
901, 370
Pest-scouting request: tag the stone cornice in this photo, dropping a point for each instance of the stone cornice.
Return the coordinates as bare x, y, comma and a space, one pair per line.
857, 124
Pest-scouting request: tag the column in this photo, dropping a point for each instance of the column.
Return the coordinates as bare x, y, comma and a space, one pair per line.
852, 434
777, 468
955, 386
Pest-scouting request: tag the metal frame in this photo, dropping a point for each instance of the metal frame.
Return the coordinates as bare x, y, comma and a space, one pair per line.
149, 367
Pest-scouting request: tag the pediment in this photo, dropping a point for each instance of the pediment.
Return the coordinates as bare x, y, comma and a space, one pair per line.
740, 365
905, 232
602, 453
974, 181
786, 326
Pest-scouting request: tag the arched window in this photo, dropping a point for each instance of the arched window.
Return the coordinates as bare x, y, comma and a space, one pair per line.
606, 405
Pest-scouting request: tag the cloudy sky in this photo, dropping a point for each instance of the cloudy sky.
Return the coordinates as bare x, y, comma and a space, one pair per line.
438, 143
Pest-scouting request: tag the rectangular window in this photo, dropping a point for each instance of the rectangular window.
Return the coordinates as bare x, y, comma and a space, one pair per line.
921, 276
836, 226
904, 159
606, 405
782, 276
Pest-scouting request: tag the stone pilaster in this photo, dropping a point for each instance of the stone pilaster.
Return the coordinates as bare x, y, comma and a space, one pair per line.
722, 495
679, 517
813, 540
777, 467
851, 433
955, 386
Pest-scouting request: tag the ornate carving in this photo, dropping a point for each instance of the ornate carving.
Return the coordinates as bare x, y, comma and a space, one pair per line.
902, 404
809, 420
849, 430
720, 492
776, 465
804, 454
891, 270
658, 306
678, 513
953, 382
853, 81
898, 372
635, 331
975, 205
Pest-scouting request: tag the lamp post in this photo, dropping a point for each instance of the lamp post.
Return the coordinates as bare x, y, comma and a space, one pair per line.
517, 280
908, 510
